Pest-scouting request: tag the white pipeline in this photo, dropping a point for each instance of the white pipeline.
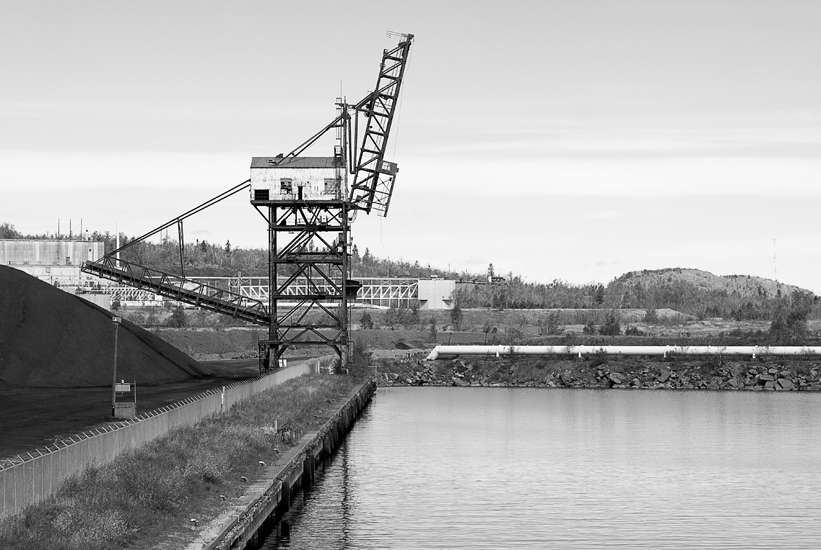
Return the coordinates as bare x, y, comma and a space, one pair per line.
664, 351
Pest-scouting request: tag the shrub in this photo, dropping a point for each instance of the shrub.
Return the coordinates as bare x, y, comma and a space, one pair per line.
365, 321
611, 325
456, 316
549, 324
789, 329
360, 356
177, 318
391, 316
408, 317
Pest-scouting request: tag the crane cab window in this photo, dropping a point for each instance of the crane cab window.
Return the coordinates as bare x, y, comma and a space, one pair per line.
331, 186
286, 186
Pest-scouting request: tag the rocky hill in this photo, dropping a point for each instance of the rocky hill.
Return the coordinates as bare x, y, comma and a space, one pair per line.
745, 286
702, 293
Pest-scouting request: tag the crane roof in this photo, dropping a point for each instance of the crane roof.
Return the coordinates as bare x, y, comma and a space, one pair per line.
295, 162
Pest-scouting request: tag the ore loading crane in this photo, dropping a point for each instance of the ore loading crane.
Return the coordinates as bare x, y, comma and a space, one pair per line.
308, 208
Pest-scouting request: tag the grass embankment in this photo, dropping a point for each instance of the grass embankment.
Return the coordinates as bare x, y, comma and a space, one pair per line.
602, 371
150, 495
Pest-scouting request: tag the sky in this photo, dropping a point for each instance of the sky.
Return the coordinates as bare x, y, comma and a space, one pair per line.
572, 140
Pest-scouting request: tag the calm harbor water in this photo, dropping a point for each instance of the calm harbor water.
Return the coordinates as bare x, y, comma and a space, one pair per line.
550, 468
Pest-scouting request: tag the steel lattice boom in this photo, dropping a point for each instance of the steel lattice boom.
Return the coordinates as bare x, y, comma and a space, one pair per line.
373, 176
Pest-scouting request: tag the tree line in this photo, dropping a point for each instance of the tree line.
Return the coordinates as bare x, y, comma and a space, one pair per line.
202, 258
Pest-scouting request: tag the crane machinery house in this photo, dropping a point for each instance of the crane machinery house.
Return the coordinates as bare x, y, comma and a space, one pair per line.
297, 178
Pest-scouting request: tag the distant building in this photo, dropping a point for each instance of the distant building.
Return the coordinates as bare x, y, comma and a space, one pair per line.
436, 293
56, 262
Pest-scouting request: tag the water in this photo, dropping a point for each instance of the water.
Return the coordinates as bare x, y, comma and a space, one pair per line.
537, 468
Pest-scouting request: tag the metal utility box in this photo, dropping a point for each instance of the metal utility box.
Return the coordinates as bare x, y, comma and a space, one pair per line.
289, 179
125, 410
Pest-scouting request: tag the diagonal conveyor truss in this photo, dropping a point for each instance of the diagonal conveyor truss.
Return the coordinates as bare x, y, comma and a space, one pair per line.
180, 289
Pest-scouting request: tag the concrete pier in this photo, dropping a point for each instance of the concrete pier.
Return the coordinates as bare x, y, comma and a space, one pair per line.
294, 469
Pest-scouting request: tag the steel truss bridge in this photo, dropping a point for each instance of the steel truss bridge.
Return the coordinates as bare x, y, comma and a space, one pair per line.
375, 291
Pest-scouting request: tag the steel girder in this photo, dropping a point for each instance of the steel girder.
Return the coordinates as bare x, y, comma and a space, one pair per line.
308, 246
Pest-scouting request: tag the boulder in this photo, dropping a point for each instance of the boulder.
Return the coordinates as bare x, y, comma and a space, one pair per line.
616, 378
785, 384
663, 376
764, 378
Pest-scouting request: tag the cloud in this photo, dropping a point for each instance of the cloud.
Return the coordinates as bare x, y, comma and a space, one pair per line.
648, 177
112, 170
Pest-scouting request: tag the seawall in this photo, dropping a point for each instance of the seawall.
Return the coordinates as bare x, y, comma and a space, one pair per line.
265, 501
603, 371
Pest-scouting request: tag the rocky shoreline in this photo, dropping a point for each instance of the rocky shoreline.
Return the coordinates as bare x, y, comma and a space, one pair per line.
604, 374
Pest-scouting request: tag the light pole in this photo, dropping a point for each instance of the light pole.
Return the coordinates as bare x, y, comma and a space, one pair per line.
116, 321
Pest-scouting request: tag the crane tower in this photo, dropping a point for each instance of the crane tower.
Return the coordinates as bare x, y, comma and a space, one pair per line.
308, 204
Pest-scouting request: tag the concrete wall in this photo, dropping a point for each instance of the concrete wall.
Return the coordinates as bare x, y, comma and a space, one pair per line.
54, 262
102, 300
34, 477
436, 293
24, 251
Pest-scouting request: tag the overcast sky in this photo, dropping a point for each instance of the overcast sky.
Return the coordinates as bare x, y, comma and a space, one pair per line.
571, 140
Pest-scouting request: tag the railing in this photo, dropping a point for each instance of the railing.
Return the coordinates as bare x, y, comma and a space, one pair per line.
658, 351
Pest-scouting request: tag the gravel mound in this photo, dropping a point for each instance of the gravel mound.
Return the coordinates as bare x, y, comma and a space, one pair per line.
49, 338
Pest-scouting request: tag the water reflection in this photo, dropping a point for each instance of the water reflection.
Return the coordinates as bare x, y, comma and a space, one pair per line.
534, 468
